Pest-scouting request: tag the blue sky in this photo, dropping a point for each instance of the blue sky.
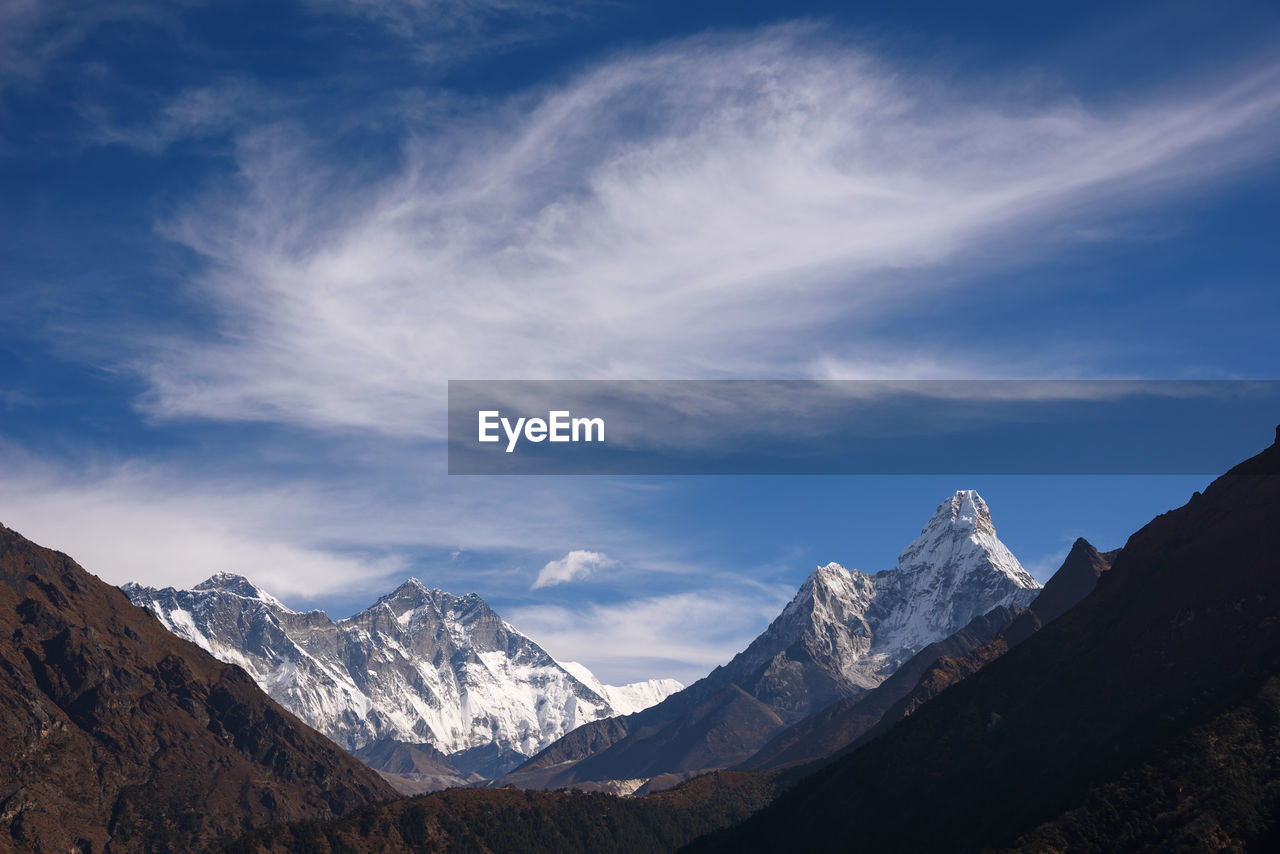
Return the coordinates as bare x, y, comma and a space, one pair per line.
243, 246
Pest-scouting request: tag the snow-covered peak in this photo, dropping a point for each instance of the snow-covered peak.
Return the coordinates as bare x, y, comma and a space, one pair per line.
831, 594
960, 539
846, 629
238, 585
832, 582
955, 570
963, 511
637, 696
826, 575
411, 595
412, 588
582, 673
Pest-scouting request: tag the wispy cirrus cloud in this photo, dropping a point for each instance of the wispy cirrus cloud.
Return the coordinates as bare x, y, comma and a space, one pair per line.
769, 181
36, 33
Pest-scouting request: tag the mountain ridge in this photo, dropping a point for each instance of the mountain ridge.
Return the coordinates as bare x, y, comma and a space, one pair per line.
419, 665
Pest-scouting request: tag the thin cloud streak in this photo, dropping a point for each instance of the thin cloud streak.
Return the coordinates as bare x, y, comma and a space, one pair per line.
195, 112
443, 33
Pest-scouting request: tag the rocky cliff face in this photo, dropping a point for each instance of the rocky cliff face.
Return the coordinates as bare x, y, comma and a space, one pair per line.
419, 666
119, 736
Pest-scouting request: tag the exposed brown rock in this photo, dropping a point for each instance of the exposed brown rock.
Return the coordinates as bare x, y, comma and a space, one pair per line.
119, 736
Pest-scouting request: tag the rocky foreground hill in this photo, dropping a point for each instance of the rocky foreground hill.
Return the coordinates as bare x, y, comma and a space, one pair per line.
116, 735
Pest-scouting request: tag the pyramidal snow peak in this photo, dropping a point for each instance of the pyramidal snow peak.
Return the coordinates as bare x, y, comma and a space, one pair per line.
950, 574
419, 665
862, 627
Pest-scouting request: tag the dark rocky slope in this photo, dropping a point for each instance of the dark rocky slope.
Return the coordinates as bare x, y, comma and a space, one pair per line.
840, 724
119, 736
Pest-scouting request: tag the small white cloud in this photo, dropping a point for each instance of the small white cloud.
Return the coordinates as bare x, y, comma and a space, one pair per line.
577, 564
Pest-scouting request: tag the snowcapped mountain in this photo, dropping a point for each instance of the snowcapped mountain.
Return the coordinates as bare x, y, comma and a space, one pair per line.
843, 633
846, 631
420, 665
957, 569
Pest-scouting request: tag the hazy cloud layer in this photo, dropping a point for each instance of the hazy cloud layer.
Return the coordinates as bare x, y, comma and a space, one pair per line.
134, 523
330, 532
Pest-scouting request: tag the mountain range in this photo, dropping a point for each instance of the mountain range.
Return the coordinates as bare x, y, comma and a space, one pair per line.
420, 666
854, 720
843, 634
